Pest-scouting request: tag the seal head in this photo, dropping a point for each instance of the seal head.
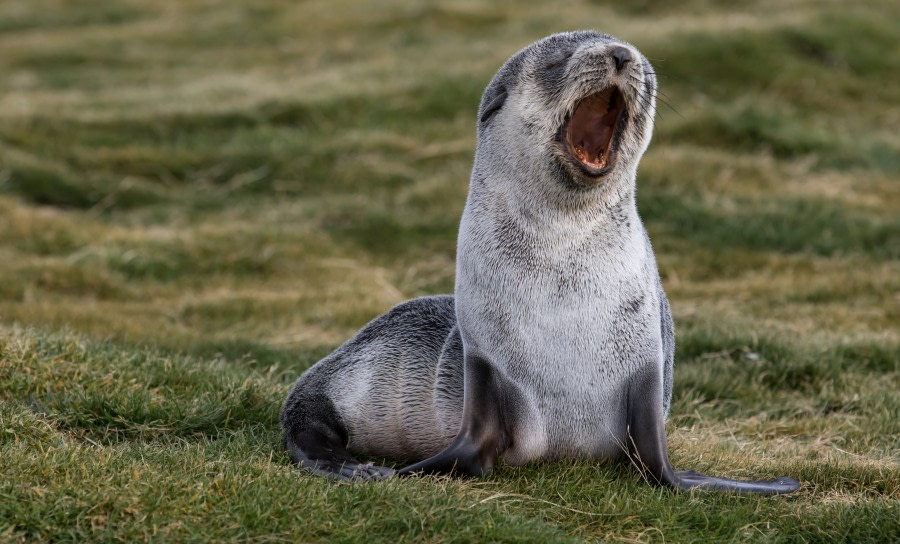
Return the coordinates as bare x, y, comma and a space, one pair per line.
579, 104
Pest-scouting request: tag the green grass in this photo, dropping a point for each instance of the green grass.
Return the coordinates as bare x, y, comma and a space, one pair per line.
200, 200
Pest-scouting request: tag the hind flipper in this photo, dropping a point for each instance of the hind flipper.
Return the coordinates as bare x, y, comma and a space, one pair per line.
316, 438
349, 469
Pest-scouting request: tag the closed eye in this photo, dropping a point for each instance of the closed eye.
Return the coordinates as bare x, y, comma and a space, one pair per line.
559, 61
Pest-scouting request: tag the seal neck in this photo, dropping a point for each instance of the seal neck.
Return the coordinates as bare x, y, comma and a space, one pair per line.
538, 205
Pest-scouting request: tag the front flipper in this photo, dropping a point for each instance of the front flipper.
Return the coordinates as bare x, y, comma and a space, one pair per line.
463, 457
688, 479
649, 453
489, 412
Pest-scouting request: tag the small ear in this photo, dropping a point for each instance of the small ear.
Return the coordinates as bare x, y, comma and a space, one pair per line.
495, 104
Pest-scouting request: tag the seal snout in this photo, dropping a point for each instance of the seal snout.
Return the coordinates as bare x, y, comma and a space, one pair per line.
622, 56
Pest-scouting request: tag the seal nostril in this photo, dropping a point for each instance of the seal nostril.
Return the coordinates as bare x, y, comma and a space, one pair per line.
622, 57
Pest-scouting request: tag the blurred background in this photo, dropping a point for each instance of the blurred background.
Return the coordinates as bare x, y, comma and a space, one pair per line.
224, 176
200, 198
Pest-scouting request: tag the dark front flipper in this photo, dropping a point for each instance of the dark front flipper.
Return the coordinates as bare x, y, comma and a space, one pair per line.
463, 457
649, 453
489, 411
688, 479
315, 438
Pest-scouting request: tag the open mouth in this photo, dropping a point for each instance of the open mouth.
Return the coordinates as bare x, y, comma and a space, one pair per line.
590, 131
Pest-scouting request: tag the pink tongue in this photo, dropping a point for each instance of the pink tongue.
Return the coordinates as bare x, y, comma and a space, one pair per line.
592, 127
594, 141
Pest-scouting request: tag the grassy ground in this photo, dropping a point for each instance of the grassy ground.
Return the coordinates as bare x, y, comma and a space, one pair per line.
200, 199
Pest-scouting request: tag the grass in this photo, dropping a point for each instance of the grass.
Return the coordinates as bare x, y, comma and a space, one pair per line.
200, 200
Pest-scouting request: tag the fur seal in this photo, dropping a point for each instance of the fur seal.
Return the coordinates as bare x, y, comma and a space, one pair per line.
559, 341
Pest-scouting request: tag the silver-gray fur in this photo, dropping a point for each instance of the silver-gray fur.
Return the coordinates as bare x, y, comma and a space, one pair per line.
559, 341
556, 284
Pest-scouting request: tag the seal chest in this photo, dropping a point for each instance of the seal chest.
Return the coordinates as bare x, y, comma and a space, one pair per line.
559, 340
